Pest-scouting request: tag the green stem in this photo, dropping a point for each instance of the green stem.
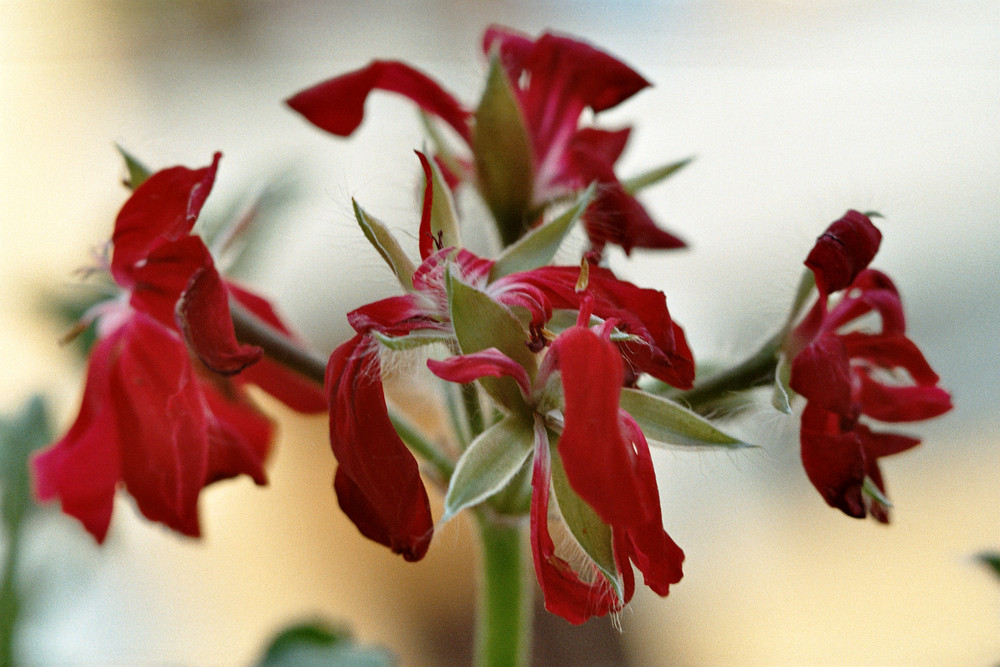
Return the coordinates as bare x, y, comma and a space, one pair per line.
503, 627
251, 330
9, 599
754, 371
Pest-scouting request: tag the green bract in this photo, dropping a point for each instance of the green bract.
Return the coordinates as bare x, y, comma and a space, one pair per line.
667, 422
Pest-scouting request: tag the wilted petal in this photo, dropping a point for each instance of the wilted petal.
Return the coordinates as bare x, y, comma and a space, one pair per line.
378, 483
338, 105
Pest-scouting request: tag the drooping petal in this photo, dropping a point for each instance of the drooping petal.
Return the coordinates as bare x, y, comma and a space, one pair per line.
378, 482
564, 592
843, 251
203, 317
901, 403
600, 462
338, 105
82, 469
647, 544
833, 459
164, 208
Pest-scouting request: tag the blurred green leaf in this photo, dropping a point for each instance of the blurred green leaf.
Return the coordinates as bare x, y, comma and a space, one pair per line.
20, 435
502, 150
315, 643
137, 171
653, 176
990, 559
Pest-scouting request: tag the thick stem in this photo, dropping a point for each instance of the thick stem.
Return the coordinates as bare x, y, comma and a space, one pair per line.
503, 625
251, 330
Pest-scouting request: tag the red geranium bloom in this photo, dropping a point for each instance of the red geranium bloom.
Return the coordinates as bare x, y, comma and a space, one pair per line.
154, 419
606, 460
554, 79
847, 373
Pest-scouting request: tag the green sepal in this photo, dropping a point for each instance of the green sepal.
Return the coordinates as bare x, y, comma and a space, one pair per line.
781, 399
385, 243
667, 422
503, 156
539, 246
412, 340
489, 464
653, 176
444, 221
871, 490
590, 532
137, 171
481, 323
317, 643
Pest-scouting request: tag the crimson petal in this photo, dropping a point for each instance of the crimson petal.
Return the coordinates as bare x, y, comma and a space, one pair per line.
338, 105
378, 482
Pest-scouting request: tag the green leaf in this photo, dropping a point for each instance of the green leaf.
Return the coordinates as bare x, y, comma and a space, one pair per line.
385, 243
991, 559
489, 464
664, 421
653, 176
412, 340
481, 323
502, 149
444, 221
590, 532
315, 643
137, 171
781, 399
539, 246
20, 435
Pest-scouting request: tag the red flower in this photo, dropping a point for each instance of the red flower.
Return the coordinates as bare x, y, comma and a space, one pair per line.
847, 373
153, 419
554, 79
606, 461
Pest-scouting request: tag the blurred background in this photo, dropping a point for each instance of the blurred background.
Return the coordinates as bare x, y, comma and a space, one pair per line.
794, 111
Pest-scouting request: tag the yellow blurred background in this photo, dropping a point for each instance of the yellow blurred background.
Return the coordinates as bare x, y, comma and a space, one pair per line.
795, 111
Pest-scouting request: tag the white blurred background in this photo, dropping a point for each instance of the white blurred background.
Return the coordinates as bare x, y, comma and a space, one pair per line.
795, 112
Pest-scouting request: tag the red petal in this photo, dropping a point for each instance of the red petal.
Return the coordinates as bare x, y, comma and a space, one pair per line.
600, 463
338, 105
204, 318
902, 404
470, 367
164, 208
833, 460
821, 373
378, 483
843, 251
83, 468
564, 592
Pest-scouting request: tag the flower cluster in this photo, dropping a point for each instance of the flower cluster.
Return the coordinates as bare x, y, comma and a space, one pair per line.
566, 373
847, 372
164, 412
